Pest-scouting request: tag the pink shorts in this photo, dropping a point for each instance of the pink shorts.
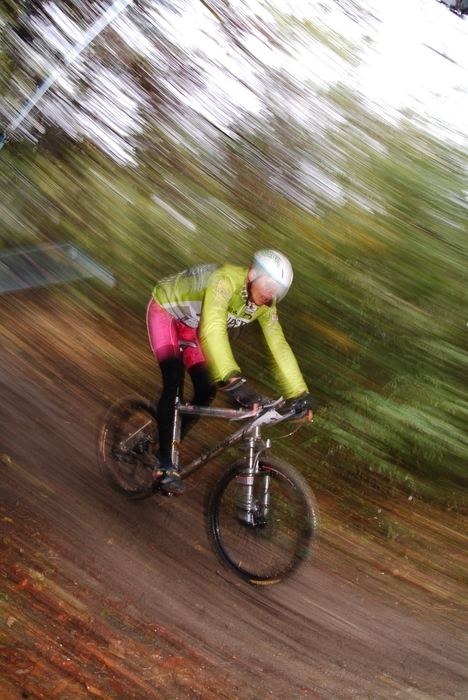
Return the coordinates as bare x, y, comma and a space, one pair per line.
164, 333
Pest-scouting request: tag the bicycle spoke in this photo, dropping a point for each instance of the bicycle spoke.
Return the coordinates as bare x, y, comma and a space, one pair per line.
127, 448
265, 544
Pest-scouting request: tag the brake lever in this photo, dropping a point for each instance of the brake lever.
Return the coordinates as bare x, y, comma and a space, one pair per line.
295, 414
258, 409
272, 403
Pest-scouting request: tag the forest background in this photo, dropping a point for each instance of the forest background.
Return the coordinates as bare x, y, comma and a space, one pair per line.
152, 155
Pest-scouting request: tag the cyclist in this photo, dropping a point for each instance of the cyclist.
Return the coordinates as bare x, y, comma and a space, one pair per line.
209, 305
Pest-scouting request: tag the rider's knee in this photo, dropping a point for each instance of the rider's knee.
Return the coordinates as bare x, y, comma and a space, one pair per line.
204, 388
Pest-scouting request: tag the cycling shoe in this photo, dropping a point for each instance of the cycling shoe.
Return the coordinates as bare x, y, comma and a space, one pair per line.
170, 482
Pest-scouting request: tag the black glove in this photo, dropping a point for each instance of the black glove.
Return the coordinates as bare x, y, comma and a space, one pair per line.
240, 392
305, 402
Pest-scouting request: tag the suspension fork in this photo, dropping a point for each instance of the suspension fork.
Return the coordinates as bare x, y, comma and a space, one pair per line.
248, 510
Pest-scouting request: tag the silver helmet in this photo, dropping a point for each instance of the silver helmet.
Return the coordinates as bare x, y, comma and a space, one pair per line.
275, 265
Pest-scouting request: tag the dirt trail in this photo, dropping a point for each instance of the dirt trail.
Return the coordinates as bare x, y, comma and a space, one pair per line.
100, 597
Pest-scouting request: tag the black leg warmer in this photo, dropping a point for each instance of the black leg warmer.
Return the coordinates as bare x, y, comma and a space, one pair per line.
172, 371
204, 392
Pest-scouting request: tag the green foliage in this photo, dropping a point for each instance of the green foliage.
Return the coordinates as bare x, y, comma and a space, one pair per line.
372, 216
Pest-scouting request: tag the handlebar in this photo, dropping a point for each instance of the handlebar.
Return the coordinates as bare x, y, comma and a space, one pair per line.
287, 409
283, 411
275, 412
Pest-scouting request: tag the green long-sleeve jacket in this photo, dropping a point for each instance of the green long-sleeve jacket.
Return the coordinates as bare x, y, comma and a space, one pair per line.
215, 301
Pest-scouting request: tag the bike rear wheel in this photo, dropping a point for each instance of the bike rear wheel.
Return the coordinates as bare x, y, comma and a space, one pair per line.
128, 444
281, 534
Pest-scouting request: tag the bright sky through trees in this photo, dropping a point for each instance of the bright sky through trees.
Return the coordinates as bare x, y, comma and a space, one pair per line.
413, 53
420, 61
399, 54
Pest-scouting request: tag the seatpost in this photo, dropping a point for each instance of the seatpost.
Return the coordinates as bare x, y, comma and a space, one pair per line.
176, 430
177, 425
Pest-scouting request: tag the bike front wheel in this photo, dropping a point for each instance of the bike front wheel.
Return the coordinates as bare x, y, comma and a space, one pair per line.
128, 446
279, 530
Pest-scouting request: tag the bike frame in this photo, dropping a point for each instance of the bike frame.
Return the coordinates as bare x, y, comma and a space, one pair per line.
254, 444
252, 432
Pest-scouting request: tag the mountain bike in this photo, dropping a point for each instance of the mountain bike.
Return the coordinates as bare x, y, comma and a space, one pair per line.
263, 519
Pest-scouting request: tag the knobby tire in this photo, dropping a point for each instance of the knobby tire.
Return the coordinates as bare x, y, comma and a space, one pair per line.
283, 537
128, 446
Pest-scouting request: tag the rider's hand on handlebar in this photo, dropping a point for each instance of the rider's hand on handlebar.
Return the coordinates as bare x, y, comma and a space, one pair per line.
303, 403
241, 393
